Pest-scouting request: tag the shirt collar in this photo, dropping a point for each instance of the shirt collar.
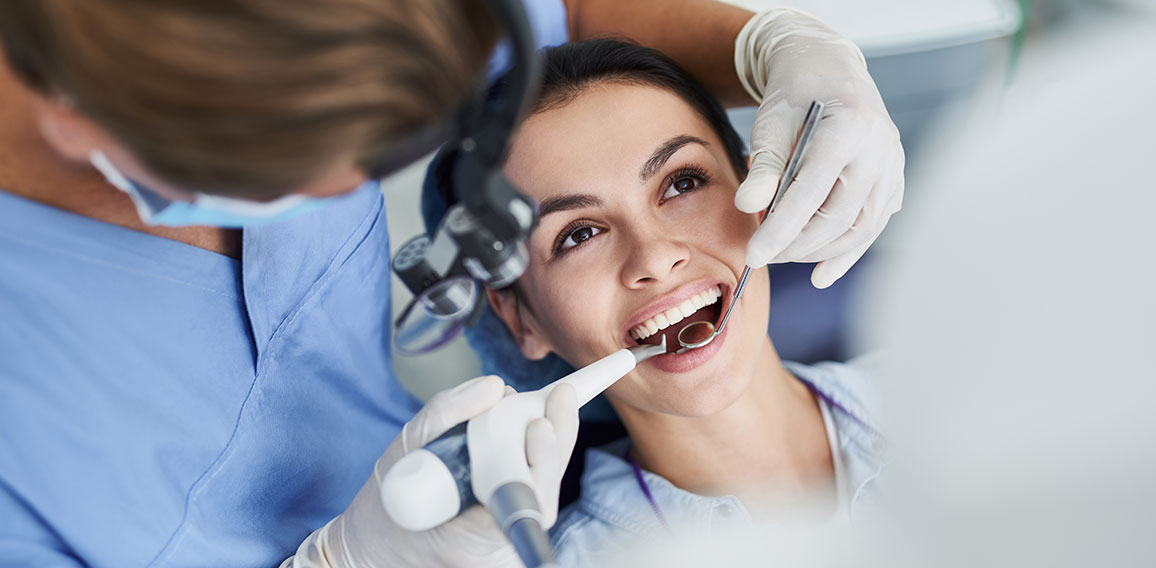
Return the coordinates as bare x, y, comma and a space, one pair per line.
283, 263
611, 493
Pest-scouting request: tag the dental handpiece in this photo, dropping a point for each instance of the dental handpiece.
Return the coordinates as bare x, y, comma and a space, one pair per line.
484, 461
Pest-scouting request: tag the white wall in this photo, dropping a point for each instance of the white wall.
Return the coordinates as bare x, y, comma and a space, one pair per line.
425, 374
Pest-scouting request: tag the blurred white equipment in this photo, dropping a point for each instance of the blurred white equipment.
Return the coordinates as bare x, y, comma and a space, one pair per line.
1020, 310
925, 55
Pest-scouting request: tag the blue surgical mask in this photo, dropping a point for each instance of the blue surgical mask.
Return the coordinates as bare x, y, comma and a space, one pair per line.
210, 210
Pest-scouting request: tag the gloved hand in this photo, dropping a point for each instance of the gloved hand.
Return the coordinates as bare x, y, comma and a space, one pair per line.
850, 181
364, 536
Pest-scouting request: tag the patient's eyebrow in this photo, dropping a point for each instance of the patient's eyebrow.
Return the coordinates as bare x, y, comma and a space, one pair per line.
664, 152
568, 202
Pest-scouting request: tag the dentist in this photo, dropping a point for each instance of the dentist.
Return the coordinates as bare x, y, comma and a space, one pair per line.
194, 275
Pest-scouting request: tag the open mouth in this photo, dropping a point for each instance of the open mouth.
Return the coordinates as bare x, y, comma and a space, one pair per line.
704, 306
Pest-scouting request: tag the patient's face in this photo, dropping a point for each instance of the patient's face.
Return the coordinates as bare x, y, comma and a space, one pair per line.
638, 220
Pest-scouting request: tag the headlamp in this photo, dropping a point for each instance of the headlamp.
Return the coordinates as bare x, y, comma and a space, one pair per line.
481, 241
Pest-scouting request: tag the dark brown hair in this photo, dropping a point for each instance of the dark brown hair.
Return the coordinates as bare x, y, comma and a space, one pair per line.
251, 97
570, 69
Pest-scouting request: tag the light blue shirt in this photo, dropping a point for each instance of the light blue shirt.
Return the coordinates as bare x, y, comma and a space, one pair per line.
163, 405
613, 512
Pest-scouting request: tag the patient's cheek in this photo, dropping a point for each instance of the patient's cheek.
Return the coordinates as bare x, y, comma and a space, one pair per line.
737, 228
568, 326
743, 224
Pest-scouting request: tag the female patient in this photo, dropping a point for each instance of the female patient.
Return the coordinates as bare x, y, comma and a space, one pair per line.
635, 168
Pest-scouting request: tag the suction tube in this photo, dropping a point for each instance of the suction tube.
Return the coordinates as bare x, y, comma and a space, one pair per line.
515, 508
532, 543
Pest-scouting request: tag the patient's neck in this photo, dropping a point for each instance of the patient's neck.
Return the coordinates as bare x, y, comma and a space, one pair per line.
770, 443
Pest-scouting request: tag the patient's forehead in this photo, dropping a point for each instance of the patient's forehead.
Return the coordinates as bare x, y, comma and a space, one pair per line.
602, 136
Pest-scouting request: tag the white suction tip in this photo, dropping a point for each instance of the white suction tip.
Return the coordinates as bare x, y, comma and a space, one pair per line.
419, 492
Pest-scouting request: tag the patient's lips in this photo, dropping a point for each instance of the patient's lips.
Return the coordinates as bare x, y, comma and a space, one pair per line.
705, 299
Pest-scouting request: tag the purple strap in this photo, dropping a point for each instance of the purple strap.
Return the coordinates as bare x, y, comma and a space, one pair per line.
836, 405
646, 489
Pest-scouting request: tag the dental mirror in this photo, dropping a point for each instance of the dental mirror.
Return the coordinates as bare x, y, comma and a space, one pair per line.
700, 333
696, 334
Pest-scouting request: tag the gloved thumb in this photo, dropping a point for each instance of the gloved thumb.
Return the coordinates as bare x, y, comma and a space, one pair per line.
549, 443
449, 408
828, 271
772, 139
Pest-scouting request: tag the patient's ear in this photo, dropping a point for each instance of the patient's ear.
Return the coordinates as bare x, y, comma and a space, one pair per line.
520, 322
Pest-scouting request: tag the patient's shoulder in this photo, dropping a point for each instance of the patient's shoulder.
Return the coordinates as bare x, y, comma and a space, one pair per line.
851, 388
580, 538
613, 511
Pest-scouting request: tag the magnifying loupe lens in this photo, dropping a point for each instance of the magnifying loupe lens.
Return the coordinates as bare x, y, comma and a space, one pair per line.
435, 317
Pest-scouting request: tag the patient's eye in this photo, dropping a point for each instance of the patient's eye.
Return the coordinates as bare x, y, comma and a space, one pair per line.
683, 181
574, 235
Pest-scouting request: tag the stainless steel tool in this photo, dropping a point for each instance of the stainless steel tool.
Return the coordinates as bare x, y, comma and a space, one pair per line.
701, 333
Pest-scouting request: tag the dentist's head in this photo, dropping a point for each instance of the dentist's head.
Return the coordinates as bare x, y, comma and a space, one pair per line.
235, 104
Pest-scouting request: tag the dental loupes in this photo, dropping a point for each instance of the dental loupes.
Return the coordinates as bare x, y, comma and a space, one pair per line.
701, 333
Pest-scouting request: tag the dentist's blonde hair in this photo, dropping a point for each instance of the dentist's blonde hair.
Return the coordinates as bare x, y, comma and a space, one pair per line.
251, 98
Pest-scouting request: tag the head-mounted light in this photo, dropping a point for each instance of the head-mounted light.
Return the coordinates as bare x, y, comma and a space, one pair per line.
481, 241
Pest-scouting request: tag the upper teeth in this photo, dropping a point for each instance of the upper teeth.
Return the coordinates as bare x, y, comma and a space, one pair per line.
676, 314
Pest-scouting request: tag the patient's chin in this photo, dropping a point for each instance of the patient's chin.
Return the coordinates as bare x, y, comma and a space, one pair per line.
693, 395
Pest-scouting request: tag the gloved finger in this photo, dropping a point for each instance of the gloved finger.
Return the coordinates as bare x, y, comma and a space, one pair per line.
848, 241
757, 190
549, 443
541, 445
838, 213
509, 390
818, 172
827, 272
449, 408
562, 412
471, 536
772, 139
885, 200
542, 456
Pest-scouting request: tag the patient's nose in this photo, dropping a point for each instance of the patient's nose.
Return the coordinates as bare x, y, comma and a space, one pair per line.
653, 260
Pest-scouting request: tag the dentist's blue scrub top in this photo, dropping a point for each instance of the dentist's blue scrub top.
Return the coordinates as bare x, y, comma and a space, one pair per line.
164, 405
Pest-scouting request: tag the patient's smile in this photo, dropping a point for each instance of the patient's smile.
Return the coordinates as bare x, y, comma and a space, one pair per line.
676, 314
699, 301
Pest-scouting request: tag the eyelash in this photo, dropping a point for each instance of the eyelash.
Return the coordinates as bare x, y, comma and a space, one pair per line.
568, 232
696, 173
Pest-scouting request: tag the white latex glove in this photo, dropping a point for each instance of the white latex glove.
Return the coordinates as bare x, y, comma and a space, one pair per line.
364, 536
850, 181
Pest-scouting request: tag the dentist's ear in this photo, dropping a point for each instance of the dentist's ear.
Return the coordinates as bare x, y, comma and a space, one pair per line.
519, 320
71, 134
